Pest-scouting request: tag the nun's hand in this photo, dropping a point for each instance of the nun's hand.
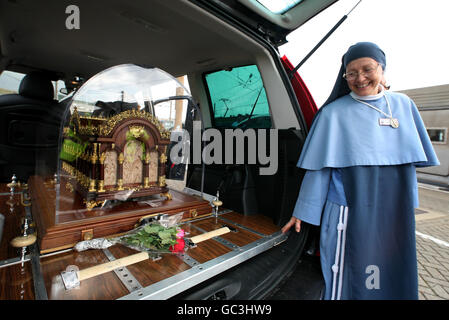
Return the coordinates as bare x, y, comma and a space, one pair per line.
293, 221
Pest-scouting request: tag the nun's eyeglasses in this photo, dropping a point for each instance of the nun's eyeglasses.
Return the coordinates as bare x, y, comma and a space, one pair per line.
351, 76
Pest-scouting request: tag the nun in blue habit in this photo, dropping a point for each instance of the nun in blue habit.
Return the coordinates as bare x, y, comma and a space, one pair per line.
360, 185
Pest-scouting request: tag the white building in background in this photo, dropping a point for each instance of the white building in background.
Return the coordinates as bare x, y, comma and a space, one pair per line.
433, 104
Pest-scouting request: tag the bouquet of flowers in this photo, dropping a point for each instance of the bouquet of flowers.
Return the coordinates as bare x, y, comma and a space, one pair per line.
163, 235
155, 237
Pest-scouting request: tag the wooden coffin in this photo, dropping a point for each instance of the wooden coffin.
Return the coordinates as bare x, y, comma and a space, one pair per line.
64, 220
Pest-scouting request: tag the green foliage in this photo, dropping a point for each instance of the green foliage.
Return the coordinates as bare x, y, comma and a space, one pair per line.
153, 237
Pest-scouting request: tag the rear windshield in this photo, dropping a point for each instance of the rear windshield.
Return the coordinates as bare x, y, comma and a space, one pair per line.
279, 6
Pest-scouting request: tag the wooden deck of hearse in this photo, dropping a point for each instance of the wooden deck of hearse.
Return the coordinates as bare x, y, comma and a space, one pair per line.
160, 277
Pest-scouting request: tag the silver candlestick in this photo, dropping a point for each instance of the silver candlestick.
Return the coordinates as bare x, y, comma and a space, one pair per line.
217, 203
12, 185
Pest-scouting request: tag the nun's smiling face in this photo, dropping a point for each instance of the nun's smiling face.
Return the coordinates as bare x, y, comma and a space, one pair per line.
364, 76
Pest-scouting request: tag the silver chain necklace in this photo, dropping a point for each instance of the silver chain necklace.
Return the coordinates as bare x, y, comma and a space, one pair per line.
389, 121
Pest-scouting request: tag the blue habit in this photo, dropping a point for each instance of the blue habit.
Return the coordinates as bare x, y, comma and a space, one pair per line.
380, 234
346, 133
361, 187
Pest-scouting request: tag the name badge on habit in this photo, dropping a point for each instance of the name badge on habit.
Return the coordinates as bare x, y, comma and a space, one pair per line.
384, 121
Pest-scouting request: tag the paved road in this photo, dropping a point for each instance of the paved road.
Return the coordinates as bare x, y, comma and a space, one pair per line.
432, 243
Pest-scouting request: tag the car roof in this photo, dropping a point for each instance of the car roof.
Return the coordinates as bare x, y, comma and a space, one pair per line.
34, 35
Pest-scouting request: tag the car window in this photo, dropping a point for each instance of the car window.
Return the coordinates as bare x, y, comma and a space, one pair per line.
279, 6
238, 98
10, 82
59, 86
173, 112
437, 135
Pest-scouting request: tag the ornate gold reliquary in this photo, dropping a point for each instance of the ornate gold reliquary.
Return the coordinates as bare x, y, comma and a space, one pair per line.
119, 157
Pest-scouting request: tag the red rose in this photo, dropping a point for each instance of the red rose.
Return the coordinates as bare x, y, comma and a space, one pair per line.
179, 246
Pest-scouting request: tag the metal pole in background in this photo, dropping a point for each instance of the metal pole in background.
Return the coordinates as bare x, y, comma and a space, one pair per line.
322, 41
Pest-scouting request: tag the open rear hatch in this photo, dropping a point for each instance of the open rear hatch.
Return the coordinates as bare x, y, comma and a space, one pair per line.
273, 20
104, 132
